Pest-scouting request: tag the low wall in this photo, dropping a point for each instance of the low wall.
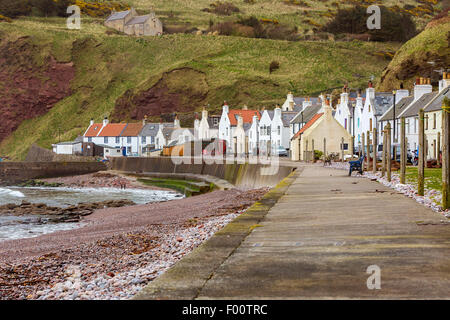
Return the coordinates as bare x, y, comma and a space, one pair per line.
16, 172
244, 175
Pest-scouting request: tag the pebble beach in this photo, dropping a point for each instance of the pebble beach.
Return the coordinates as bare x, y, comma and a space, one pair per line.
118, 250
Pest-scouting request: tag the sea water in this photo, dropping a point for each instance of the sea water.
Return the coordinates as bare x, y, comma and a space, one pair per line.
17, 227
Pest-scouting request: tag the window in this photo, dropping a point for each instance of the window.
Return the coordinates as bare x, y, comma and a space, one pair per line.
345, 123
105, 140
128, 140
117, 140
426, 123
90, 139
369, 108
434, 120
358, 122
371, 124
144, 139
279, 130
128, 149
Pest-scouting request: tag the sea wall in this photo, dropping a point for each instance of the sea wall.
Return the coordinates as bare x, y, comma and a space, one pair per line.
16, 172
243, 175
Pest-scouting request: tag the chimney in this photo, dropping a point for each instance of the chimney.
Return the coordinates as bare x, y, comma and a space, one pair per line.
370, 92
144, 121
245, 107
92, 122
445, 82
344, 95
240, 121
176, 122
225, 107
328, 112
204, 114
400, 94
422, 88
161, 125
105, 121
291, 106
277, 112
359, 100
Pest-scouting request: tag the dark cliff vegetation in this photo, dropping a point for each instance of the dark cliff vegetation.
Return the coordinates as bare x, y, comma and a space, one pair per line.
395, 26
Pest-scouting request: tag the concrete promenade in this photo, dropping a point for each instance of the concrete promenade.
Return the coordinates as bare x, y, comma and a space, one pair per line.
316, 242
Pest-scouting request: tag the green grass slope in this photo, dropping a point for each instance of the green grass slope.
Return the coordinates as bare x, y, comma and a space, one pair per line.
235, 69
305, 14
421, 56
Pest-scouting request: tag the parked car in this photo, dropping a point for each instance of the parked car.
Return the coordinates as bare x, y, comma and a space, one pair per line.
409, 157
281, 152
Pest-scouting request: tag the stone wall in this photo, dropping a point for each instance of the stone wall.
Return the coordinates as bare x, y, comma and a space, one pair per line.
38, 154
16, 172
243, 175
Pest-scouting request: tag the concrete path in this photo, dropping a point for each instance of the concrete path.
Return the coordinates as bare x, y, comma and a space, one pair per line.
317, 242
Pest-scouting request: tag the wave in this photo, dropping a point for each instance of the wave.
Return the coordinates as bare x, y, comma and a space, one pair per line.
11, 193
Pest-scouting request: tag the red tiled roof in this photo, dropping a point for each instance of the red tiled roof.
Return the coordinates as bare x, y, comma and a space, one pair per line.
132, 129
247, 116
307, 125
112, 130
93, 130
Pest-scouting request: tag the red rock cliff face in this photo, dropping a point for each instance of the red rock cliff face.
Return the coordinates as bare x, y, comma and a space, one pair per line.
26, 89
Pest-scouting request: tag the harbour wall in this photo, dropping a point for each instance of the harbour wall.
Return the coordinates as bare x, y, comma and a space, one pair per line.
17, 172
239, 174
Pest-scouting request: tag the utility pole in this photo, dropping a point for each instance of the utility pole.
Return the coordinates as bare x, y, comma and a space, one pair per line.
421, 167
374, 147
368, 150
363, 136
388, 152
383, 154
446, 154
438, 142
403, 152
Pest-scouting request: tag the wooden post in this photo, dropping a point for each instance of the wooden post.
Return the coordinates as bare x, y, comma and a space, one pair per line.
325, 147
383, 155
374, 147
313, 153
446, 154
363, 147
388, 152
306, 151
438, 149
352, 146
403, 151
368, 150
421, 167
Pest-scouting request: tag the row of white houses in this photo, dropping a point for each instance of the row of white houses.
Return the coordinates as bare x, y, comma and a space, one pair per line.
248, 131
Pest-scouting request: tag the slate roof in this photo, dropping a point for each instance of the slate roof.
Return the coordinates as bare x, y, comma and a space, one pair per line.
308, 124
287, 116
118, 15
436, 104
399, 108
309, 113
383, 101
414, 108
150, 129
93, 130
138, 20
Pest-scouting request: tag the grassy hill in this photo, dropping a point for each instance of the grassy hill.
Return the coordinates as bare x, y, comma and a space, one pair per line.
422, 56
305, 14
111, 69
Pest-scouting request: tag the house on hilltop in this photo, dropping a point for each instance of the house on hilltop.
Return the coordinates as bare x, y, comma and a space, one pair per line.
130, 23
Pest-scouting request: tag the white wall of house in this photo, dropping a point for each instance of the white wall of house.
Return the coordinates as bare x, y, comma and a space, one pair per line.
343, 114
204, 132
265, 132
225, 131
368, 119
253, 136
63, 148
239, 144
